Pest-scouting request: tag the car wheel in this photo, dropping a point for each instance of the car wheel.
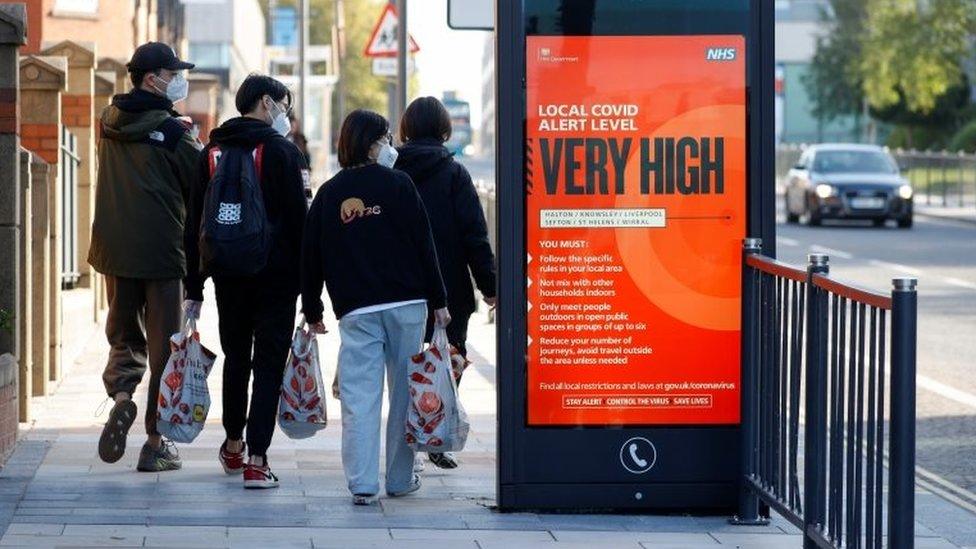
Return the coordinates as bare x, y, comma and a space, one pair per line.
905, 223
792, 217
879, 222
814, 219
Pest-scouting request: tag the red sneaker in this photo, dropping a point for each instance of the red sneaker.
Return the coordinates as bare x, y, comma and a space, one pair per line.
256, 476
232, 462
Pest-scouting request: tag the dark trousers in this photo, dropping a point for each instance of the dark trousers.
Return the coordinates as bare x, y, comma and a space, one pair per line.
256, 325
142, 315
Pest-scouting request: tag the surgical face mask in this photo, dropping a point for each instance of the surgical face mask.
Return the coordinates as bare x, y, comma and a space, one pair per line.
176, 89
280, 122
387, 155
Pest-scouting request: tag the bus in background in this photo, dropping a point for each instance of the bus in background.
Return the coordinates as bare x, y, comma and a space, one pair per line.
460, 111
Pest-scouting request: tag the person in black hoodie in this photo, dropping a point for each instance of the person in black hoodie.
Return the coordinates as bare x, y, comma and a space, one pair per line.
368, 239
456, 220
256, 312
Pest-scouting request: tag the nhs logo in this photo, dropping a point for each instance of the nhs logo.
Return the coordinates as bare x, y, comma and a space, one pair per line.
720, 54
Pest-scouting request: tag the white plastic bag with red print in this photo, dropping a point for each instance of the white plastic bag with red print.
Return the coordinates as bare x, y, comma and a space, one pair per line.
184, 398
301, 408
436, 421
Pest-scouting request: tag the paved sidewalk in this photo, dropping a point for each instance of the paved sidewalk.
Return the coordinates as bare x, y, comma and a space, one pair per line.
55, 492
966, 215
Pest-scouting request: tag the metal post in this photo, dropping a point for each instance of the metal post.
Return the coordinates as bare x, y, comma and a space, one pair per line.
403, 51
815, 435
302, 63
901, 492
340, 46
748, 513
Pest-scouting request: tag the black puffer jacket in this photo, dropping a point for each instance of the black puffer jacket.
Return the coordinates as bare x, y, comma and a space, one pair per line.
456, 220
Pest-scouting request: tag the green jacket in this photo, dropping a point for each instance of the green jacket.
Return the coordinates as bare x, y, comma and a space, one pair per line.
146, 160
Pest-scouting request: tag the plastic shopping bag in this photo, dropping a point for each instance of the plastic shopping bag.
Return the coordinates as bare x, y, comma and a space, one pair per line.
436, 421
301, 408
184, 398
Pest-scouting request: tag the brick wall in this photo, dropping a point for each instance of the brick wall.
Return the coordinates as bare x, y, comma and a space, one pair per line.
9, 412
41, 139
76, 110
8, 110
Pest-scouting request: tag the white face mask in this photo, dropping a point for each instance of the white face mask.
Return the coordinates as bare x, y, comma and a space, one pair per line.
387, 155
280, 122
176, 89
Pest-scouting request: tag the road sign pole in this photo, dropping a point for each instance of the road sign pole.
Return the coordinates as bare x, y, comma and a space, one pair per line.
402, 52
302, 63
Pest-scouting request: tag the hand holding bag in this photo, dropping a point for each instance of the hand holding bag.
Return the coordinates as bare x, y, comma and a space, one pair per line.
184, 397
301, 408
436, 421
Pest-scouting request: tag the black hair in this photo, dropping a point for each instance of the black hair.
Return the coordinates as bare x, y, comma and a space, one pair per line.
359, 131
256, 86
425, 118
138, 75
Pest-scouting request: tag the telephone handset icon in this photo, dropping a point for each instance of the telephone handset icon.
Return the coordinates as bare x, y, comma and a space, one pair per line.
633, 455
638, 455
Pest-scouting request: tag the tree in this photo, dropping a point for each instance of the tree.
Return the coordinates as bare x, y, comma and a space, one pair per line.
913, 51
834, 74
362, 89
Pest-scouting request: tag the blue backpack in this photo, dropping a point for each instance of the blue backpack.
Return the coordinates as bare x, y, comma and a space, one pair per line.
235, 235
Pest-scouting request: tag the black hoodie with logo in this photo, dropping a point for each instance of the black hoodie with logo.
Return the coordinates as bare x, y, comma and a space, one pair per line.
283, 177
456, 221
368, 239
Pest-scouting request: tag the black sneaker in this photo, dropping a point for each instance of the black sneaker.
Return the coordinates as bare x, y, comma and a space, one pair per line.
154, 460
443, 461
111, 445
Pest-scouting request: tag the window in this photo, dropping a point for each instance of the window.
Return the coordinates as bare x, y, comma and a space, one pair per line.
87, 7
209, 55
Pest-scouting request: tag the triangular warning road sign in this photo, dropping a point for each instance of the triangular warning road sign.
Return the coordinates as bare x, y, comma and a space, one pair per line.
383, 41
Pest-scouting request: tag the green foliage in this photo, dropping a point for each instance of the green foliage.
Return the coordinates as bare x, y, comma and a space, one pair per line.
965, 138
923, 138
912, 55
834, 77
903, 58
6, 321
362, 89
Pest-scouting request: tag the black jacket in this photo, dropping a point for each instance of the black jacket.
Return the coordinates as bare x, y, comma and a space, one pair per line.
283, 175
367, 237
456, 220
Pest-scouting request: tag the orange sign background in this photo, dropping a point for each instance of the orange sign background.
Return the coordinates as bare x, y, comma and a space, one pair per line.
665, 298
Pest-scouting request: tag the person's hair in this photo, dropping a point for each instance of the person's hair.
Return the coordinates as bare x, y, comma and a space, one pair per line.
425, 118
137, 76
359, 131
256, 86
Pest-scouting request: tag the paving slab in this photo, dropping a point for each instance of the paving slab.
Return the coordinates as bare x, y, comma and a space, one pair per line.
55, 492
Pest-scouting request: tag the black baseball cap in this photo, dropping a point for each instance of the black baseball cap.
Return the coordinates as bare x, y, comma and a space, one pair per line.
156, 55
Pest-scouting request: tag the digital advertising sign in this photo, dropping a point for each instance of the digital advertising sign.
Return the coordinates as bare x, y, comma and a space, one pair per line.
635, 211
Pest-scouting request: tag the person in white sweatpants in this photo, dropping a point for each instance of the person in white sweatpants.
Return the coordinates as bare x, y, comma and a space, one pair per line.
367, 239
374, 342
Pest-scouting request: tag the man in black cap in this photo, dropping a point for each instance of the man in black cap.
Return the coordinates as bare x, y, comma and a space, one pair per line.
146, 160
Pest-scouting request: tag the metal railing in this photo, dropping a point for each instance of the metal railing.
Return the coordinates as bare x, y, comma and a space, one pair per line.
821, 366
69, 162
940, 178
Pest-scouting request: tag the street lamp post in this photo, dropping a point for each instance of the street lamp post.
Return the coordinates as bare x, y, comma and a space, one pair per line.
402, 51
302, 63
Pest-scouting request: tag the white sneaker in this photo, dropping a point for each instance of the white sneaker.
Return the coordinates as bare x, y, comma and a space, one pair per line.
419, 464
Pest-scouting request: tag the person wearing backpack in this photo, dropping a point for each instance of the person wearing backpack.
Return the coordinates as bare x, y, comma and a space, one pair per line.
146, 161
247, 213
456, 221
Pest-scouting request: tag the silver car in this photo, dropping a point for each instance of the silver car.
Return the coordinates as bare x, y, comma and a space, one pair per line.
842, 181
